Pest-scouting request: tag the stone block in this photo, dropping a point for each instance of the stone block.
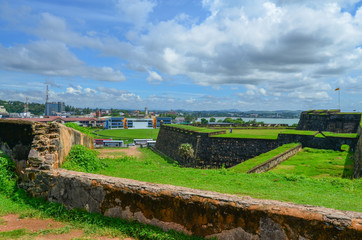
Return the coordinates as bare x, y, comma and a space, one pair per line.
35, 157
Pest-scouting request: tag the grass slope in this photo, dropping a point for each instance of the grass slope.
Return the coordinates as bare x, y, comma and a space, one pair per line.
340, 194
249, 164
318, 163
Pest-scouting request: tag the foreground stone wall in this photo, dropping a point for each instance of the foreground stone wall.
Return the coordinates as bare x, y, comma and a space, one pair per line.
357, 169
196, 212
330, 121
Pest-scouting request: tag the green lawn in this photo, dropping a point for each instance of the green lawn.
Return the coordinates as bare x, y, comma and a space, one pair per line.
344, 135
318, 163
249, 164
252, 133
343, 194
128, 135
300, 132
195, 129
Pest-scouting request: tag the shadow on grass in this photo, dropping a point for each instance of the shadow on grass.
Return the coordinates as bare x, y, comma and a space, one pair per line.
348, 163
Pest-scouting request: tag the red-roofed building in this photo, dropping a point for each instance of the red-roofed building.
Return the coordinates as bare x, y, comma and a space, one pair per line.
88, 122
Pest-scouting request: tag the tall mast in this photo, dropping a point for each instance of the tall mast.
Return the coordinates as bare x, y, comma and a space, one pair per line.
47, 95
26, 105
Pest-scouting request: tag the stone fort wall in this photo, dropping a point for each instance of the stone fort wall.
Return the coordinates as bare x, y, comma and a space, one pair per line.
330, 121
214, 152
196, 212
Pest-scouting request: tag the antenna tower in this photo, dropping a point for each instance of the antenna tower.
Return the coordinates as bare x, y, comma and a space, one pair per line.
26, 105
47, 95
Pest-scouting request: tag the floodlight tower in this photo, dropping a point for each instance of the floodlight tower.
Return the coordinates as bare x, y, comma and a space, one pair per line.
26, 105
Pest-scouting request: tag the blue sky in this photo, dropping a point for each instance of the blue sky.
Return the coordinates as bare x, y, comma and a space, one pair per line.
194, 55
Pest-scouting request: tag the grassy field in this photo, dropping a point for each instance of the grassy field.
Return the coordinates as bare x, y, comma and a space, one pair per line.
343, 194
128, 135
318, 163
252, 133
195, 129
249, 164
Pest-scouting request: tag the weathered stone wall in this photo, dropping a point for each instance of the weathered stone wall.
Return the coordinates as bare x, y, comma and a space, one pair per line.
228, 152
330, 121
328, 142
196, 212
211, 151
357, 169
39, 145
276, 160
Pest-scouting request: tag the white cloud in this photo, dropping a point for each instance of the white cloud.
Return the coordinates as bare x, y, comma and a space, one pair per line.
53, 59
135, 11
154, 77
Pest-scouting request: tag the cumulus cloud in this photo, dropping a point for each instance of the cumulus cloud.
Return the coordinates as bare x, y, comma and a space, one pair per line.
154, 77
52, 59
135, 11
257, 43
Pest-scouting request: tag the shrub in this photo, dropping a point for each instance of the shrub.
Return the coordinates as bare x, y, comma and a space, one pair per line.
83, 159
186, 151
7, 174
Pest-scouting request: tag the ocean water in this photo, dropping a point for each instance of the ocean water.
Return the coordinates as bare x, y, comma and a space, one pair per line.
289, 121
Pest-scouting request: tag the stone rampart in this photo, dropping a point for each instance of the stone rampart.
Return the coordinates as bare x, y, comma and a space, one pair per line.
215, 152
211, 151
276, 160
328, 142
195, 212
330, 121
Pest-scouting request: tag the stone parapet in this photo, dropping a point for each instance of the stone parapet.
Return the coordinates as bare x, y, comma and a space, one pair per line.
195, 212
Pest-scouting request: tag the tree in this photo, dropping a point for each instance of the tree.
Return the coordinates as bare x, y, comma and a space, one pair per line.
228, 120
189, 118
212, 119
204, 121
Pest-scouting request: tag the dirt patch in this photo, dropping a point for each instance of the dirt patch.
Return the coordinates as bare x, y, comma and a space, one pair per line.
116, 152
13, 222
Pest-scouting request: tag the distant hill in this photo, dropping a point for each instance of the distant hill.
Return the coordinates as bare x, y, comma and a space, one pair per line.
18, 107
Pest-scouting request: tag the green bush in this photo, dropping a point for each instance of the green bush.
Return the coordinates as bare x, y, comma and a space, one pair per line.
7, 174
83, 159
